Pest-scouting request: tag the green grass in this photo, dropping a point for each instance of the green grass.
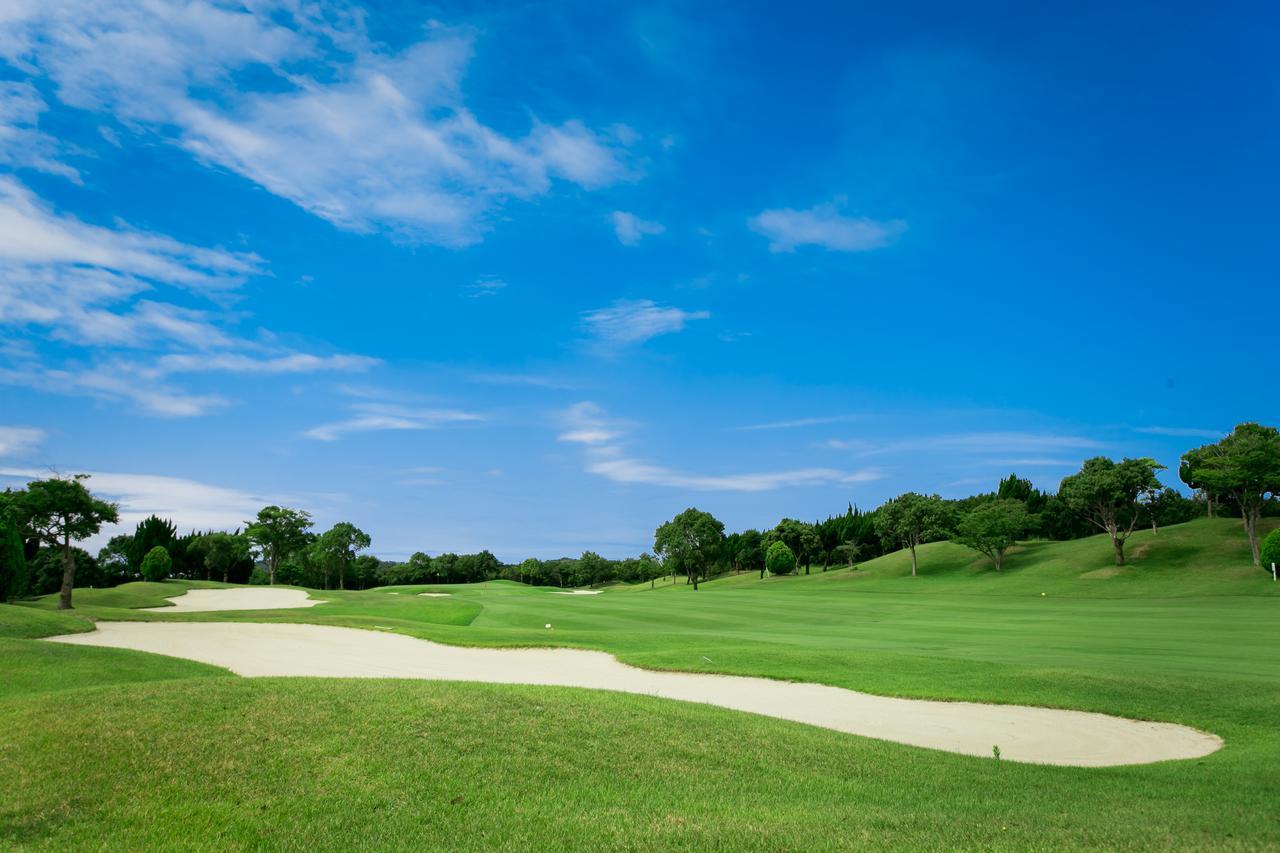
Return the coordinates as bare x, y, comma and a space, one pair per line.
121, 748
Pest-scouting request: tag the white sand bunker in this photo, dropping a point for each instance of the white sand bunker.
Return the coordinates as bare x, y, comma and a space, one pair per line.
1037, 735
435, 594
576, 592
239, 598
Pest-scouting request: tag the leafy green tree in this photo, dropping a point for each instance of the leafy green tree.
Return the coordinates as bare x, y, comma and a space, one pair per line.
692, 539
991, 528
219, 552
799, 537
335, 550
1244, 466
1107, 493
910, 520
276, 533
531, 571
157, 564
779, 559
592, 568
13, 562
851, 550
59, 511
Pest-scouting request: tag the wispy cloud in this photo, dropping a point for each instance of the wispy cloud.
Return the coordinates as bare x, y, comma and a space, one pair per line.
107, 290
987, 442
801, 422
587, 424
485, 286
364, 137
1180, 432
20, 440
633, 321
824, 226
631, 229
374, 417
22, 143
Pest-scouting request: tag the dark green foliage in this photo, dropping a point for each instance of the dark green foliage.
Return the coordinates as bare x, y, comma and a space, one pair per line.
221, 555
13, 562
779, 559
1270, 549
157, 564
150, 532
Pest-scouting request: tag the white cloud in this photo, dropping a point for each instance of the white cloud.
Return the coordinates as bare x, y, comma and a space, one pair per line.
630, 321
588, 425
631, 229
373, 417
105, 289
192, 505
366, 139
824, 226
19, 440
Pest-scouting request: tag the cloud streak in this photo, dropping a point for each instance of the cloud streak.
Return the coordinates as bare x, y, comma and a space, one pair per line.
586, 424
378, 417
634, 321
824, 226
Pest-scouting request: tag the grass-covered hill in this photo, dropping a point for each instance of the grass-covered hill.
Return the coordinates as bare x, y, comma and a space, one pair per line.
131, 750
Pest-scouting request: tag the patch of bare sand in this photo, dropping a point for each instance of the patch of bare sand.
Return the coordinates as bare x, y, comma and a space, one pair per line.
1027, 734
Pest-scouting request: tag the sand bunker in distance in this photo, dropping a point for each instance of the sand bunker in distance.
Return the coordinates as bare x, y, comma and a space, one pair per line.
576, 592
239, 598
1037, 735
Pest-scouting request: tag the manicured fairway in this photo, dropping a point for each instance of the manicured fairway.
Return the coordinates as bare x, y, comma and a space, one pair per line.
1186, 635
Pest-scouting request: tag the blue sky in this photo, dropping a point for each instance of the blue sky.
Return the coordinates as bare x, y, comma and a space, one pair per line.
480, 275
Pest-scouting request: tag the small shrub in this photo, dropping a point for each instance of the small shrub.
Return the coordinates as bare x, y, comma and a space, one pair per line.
779, 559
157, 564
1271, 549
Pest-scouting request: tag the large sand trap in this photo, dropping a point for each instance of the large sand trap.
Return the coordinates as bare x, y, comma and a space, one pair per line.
434, 594
576, 592
239, 598
1038, 735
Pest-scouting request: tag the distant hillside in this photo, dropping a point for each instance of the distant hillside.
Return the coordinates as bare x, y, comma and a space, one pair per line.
1202, 557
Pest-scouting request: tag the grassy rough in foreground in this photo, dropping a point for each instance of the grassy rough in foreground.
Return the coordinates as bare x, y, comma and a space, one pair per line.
137, 750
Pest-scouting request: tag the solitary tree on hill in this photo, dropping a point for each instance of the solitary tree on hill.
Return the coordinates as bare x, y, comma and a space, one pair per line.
1107, 493
59, 511
992, 527
1244, 466
910, 520
693, 539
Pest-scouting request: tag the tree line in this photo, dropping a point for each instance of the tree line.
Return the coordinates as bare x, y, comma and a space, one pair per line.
1238, 475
